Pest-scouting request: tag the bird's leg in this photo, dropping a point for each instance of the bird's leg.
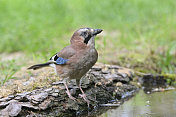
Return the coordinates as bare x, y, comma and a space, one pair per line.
83, 95
68, 92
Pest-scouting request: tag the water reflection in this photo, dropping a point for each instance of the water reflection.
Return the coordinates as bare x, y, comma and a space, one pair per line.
159, 104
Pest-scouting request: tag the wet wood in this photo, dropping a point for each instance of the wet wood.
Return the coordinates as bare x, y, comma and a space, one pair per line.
102, 84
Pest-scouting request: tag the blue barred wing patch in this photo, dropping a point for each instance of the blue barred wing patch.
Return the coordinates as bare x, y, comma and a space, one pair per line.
61, 61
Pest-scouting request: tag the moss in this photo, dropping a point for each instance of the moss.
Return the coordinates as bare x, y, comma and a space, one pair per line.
170, 78
137, 84
174, 83
28, 81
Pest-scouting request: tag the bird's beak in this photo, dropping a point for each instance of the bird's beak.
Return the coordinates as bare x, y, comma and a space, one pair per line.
97, 31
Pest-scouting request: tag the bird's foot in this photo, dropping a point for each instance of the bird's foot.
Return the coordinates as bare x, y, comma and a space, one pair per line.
85, 98
70, 96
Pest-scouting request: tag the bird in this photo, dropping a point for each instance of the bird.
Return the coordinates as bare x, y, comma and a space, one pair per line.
75, 60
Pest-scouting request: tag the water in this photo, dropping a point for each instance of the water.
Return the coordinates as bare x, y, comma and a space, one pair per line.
159, 104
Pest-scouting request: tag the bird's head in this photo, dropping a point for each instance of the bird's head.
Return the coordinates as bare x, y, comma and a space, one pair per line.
85, 36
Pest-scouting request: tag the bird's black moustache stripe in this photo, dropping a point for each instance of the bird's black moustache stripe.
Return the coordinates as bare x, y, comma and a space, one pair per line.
86, 40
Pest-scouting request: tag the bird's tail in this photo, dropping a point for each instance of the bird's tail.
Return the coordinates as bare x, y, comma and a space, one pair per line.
38, 66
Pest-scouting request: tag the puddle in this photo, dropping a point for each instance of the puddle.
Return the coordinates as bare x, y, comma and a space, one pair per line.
159, 104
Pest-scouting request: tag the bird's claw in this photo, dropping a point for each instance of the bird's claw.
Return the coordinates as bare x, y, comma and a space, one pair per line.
85, 98
70, 96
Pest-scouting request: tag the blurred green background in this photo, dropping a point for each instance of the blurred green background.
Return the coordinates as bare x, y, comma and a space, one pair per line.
139, 34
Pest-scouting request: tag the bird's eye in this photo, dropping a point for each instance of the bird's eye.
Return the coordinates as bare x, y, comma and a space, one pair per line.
85, 34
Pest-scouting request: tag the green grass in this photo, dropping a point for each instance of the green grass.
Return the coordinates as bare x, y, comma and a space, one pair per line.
135, 31
8, 69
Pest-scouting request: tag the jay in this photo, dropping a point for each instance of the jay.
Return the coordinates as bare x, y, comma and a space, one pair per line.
75, 60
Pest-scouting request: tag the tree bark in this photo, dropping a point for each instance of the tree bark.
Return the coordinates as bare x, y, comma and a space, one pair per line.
103, 84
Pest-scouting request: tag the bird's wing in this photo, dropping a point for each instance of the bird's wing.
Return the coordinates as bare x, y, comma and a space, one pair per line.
63, 56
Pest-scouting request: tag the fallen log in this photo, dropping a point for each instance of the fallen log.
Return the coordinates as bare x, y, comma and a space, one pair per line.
103, 84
